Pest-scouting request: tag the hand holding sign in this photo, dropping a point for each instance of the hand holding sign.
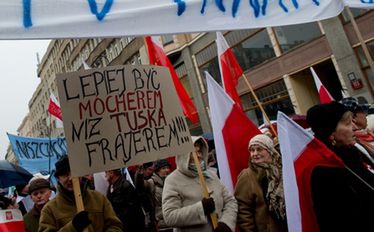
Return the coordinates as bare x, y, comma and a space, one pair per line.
120, 115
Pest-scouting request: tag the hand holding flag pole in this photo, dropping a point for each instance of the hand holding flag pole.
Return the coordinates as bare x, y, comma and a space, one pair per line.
213, 216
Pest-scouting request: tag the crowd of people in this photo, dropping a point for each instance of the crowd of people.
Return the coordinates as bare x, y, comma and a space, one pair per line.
158, 197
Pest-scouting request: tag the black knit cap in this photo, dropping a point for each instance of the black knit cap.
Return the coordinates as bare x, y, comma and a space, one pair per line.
62, 166
324, 118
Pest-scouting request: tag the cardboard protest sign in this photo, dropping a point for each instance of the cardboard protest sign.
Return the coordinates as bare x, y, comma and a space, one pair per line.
119, 116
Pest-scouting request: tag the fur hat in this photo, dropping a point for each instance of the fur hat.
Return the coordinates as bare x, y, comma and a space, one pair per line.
38, 183
62, 166
324, 118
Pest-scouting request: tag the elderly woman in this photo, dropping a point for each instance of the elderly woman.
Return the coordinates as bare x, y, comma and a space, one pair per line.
259, 190
183, 205
342, 196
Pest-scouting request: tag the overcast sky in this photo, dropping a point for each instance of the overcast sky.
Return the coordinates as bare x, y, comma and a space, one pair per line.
18, 81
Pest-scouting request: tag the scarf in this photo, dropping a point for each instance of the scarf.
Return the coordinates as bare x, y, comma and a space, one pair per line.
275, 193
192, 167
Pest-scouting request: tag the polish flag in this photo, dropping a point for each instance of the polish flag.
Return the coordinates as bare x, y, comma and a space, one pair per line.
55, 110
324, 95
232, 130
158, 57
11, 220
229, 68
301, 153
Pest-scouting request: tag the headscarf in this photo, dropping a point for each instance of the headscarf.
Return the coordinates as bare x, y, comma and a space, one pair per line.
273, 172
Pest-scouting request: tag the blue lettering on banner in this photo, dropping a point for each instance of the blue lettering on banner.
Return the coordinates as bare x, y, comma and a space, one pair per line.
37, 154
27, 22
181, 6
367, 1
106, 8
27, 13
261, 8
219, 4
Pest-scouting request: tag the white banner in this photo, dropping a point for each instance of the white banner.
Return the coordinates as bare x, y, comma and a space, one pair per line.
113, 18
120, 116
360, 3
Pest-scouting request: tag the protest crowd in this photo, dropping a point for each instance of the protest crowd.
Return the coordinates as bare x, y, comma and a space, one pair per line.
166, 195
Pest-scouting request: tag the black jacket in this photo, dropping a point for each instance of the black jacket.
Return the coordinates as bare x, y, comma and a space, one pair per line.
341, 200
126, 204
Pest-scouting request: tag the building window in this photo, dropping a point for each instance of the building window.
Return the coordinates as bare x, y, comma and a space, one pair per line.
292, 36
274, 97
356, 12
254, 50
212, 67
364, 62
167, 39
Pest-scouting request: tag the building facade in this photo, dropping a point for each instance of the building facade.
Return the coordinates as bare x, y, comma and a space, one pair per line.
276, 62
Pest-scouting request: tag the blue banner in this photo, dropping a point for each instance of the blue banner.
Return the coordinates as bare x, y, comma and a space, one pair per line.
37, 154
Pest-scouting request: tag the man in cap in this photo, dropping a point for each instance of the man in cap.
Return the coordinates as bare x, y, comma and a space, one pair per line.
60, 214
40, 192
364, 136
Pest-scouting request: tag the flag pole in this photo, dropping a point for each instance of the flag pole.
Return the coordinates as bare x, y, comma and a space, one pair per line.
213, 216
360, 38
50, 143
259, 104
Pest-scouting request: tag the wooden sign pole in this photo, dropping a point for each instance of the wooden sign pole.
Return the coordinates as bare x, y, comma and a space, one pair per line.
78, 196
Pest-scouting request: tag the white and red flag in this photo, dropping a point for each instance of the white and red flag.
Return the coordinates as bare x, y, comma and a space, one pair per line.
232, 130
11, 220
158, 57
55, 110
229, 68
324, 95
301, 153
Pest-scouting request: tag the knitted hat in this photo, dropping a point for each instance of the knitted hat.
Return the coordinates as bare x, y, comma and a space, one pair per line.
62, 166
324, 118
263, 141
38, 183
161, 163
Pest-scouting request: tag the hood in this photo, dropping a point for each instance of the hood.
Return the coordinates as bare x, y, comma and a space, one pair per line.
183, 160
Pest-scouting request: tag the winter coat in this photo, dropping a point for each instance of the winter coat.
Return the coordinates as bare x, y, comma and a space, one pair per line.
342, 202
58, 213
126, 204
182, 195
156, 186
253, 213
31, 220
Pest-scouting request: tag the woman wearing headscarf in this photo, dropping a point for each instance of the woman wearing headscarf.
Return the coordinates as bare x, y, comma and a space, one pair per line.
342, 196
259, 189
183, 205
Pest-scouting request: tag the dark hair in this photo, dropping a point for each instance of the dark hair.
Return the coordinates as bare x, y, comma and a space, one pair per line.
4, 202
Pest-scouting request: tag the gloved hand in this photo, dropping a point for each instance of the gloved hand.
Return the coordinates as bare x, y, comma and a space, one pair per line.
222, 227
208, 205
81, 221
